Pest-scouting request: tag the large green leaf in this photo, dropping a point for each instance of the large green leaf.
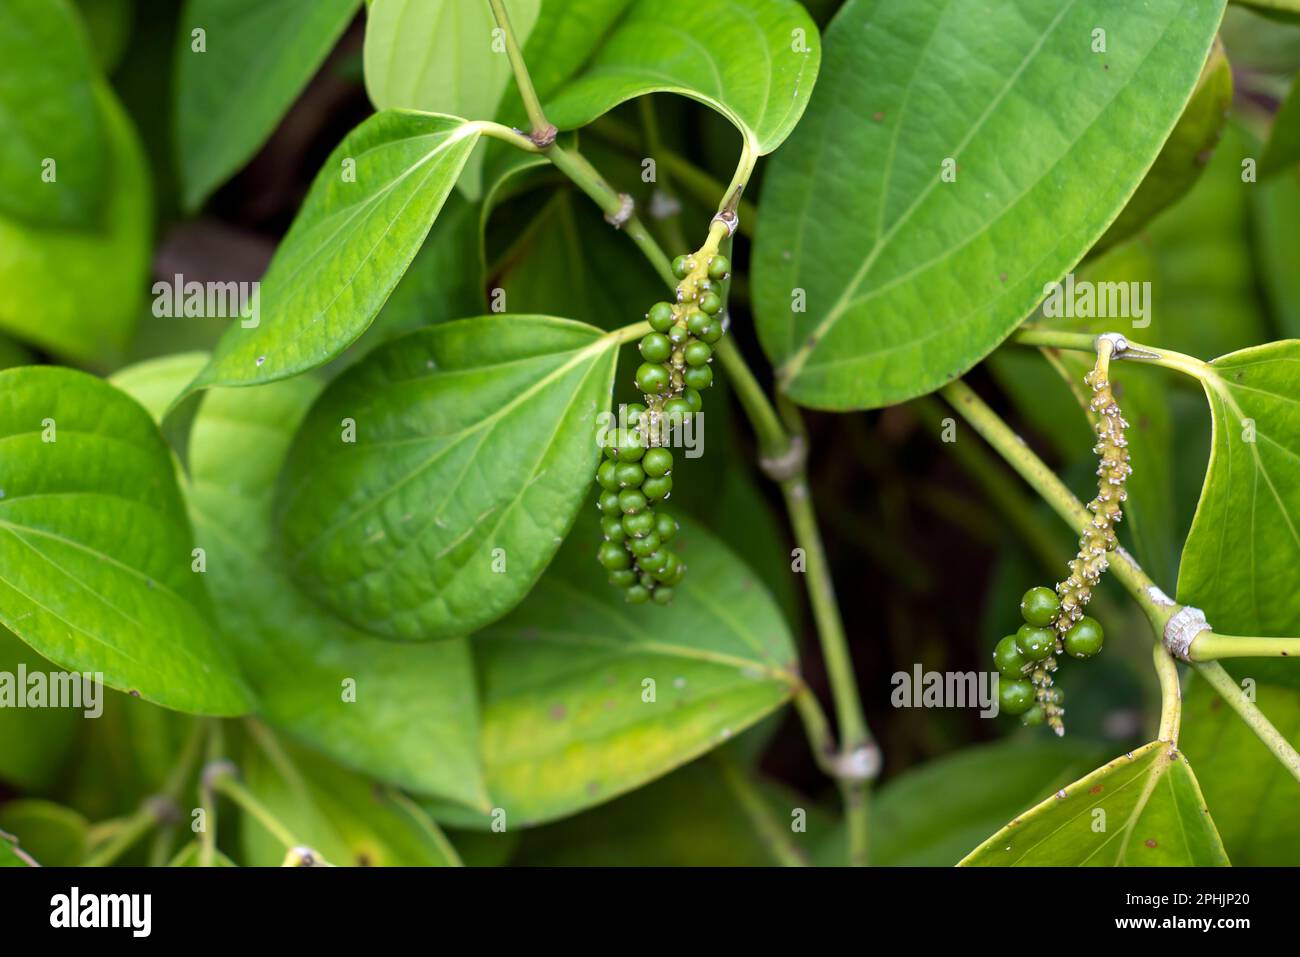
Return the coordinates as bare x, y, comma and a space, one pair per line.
256, 58
473, 449
754, 61
413, 719
1240, 558
108, 23
932, 816
55, 835
438, 56
1143, 809
565, 722
349, 246
77, 292
346, 818
49, 111
95, 546
907, 279
1185, 153
1252, 795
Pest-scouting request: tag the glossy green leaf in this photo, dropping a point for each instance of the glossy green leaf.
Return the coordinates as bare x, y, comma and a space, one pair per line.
754, 61
905, 276
49, 112
1185, 153
370, 208
442, 56
413, 717
931, 817
566, 677
1143, 809
343, 816
1285, 10
95, 546
240, 76
55, 835
1276, 210
77, 292
34, 742
1241, 554
1252, 796
1282, 151
474, 446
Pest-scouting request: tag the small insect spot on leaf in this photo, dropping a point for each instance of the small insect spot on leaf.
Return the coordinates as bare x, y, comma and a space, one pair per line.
133, 693
1096, 789
1149, 842
558, 712
593, 788
878, 117
1002, 277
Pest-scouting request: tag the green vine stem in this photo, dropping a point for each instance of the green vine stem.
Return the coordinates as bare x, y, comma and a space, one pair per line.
1158, 607
700, 184
124, 838
543, 132
226, 785
1211, 646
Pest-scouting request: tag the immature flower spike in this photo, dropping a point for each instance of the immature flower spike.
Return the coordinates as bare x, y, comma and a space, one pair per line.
1098, 539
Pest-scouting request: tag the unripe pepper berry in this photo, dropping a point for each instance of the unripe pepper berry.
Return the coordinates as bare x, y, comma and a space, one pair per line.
697, 322
629, 474
639, 524
1035, 643
1040, 606
607, 474
655, 347
1015, 696
663, 595
613, 556
637, 595
697, 353
1008, 659
661, 316
666, 526
631, 501
1085, 638
698, 377
719, 267
682, 266
641, 547
657, 488
653, 379
622, 578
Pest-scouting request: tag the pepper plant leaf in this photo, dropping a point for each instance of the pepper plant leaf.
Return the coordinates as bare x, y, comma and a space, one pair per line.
1142, 809
754, 61
929, 195
586, 697
239, 66
363, 221
83, 462
1244, 545
474, 446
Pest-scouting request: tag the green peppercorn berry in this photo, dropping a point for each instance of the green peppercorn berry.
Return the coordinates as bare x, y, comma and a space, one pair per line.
608, 502
639, 523
655, 347
657, 488
641, 547
1008, 659
611, 526
637, 595
698, 377
1034, 717
698, 353
630, 448
677, 409
713, 333
648, 580
631, 501
632, 412
661, 316
663, 595
653, 379
629, 475
606, 474
1085, 638
678, 334
666, 526
711, 303
682, 266
1035, 643
622, 578
674, 573
1015, 696
655, 562
693, 399
1040, 606
613, 556
705, 286
719, 267
697, 322
657, 462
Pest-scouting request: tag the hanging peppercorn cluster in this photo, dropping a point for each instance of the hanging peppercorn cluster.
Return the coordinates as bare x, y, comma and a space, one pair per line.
636, 475
1054, 619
